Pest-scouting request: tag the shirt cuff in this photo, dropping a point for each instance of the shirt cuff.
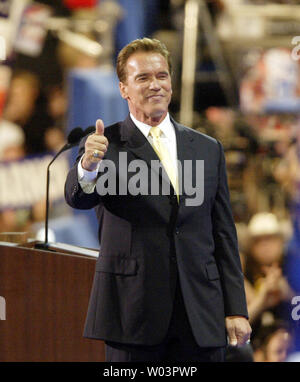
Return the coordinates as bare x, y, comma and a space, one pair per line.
87, 179
85, 175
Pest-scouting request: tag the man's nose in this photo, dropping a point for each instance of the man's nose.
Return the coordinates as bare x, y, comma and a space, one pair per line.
154, 84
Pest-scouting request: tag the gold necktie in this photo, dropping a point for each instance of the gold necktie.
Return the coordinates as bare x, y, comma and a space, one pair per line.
164, 155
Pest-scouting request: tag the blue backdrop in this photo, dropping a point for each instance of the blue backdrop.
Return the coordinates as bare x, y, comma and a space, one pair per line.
92, 94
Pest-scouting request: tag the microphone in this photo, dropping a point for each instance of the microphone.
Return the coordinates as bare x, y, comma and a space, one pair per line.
73, 139
89, 130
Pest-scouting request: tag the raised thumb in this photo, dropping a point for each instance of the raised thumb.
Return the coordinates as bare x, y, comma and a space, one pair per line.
99, 127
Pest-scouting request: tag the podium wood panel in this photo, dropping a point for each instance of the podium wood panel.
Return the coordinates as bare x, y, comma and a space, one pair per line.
46, 295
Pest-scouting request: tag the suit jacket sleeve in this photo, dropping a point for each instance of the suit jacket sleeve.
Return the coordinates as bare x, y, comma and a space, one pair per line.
74, 194
226, 247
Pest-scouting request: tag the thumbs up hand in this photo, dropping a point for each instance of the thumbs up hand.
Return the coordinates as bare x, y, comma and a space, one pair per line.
99, 127
95, 147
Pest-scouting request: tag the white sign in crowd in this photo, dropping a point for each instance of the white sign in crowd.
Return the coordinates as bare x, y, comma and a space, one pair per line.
23, 183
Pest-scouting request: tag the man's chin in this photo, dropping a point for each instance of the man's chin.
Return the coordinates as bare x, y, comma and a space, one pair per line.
157, 114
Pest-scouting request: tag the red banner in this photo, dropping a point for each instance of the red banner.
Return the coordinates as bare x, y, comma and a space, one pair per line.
74, 4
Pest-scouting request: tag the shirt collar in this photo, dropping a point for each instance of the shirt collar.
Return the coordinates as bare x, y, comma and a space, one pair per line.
165, 126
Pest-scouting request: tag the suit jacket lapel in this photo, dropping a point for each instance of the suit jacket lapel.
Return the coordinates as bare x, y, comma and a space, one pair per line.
136, 142
185, 147
186, 150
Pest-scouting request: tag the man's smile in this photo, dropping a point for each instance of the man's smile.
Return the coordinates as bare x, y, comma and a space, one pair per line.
156, 97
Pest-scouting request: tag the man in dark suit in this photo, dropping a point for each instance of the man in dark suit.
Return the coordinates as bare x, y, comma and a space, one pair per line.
168, 283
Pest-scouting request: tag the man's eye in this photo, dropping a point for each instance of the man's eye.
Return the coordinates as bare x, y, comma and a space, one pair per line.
142, 78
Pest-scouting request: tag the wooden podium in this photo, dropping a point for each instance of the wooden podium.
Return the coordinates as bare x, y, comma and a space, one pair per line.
46, 297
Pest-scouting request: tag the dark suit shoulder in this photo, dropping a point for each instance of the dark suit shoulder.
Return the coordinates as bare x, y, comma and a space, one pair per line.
199, 135
112, 132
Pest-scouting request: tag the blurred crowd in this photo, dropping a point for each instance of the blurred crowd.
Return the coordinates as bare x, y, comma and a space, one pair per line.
263, 179
32, 124
262, 154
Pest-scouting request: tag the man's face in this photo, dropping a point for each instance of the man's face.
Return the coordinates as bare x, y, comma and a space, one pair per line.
278, 346
267, 249
148, 87
19, 108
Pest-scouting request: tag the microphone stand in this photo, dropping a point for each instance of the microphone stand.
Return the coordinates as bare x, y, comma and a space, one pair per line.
45, 244
73, 140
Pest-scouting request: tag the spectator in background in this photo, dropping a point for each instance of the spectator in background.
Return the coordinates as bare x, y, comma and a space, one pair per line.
12, 141
57, 104
11, 148
271, 338
26, 106
272, 343
56, 108
240, 144
28, 129
288, 174
267, 290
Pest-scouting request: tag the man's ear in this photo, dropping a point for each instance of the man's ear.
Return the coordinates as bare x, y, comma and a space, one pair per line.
123, 90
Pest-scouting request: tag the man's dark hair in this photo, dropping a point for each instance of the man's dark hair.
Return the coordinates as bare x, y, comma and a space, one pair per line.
140, 45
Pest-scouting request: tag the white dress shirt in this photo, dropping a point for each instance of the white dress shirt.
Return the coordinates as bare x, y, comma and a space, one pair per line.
87, 179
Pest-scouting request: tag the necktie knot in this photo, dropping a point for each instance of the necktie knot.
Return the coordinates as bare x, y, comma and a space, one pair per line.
155, 132
164, 155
